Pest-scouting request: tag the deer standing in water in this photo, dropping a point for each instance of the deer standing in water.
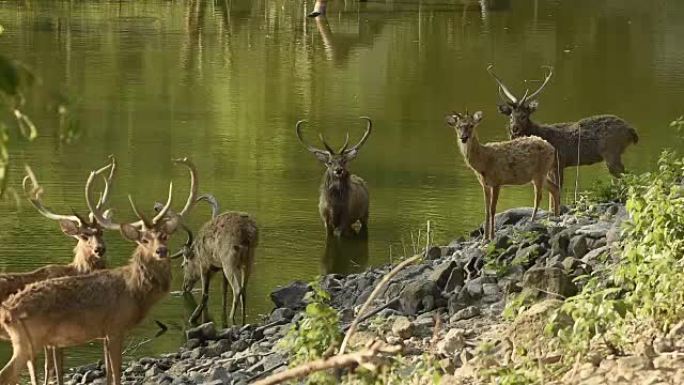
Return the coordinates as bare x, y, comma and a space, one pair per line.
514, 162
344, 197
105, 304
225, 243
89, 253
584, 142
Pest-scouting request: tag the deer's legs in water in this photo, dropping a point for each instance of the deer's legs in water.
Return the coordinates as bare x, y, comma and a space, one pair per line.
114, 349
224, 301
487, 194
206, 278
492, 209
554, 193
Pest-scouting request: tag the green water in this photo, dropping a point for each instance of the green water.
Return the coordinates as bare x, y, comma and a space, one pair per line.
224, 82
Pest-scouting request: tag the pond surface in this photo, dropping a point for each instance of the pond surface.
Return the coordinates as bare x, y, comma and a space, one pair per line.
224, 83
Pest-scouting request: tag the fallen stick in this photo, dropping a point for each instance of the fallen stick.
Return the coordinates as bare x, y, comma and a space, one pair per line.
373, 312
371, 298
367, 358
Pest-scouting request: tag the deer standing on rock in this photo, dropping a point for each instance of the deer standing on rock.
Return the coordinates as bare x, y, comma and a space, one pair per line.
89, 253
344, 197
105, 304
584, 142
225, 243
514, 162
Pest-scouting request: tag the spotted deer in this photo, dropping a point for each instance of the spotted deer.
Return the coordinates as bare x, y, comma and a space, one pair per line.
89, 252
344, 197
584, 142
226, 243
514, 162
105, 304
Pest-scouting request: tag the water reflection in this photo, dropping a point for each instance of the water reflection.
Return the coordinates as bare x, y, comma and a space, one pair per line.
345, 255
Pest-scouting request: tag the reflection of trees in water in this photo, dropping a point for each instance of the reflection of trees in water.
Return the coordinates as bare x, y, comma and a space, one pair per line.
345, 255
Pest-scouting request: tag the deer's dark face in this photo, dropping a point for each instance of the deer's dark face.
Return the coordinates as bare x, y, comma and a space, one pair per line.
191, 269
336, 165
464, 124
89, 237
152, 241
518, 115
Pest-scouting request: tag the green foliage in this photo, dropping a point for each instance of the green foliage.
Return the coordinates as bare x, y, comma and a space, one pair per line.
317, 333
517, 303
678, 124
646, 286
400, 371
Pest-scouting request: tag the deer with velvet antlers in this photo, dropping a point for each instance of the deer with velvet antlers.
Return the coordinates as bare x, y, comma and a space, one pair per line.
344, 197
514, 162
584, 142
105, 304
89, 252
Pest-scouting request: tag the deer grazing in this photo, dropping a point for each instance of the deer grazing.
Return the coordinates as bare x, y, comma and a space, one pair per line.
344, 197
584, 142
225, 243
89, 253
514, 162
105, 304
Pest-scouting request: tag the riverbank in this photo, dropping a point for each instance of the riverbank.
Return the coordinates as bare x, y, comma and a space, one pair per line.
468, 313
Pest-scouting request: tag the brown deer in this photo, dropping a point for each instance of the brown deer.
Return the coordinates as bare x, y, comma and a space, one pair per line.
344, 197
89, 253
584, 142
514, 162
226, 243
105, 304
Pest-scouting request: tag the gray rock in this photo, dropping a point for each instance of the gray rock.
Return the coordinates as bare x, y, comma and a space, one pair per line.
415, 296
192, 343
463, 314
456, 279
490, 289
440, 274
578, 246
453, 342
217, 348
474, 287
403, 328
281, 314
206, 331
514, 216
561, 242
595, 230
529, 253
239, 345
592, 257
290, 296
219, 373
549, 280
459, 301
434, 252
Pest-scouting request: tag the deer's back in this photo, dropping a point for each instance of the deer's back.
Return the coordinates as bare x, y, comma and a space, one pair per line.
516, 161
11, 283
218, 236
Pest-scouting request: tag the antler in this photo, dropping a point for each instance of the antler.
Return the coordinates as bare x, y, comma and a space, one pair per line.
187, 245
535, 93
369, 126
190, 202
143, 220
298, 130
212, 201
34, 196
502, 87
96, 210
108, 181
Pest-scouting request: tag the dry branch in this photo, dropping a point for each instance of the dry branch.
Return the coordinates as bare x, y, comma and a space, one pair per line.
367, 358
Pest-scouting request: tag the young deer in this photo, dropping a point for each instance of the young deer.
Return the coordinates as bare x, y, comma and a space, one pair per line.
89, 253
105, 304
514, 162
225, 243
584, 142
344, 197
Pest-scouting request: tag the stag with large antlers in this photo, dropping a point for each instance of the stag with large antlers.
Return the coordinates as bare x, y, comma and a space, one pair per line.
584, 142
514, 162
70, 311
226, 243
344, 197
89, 253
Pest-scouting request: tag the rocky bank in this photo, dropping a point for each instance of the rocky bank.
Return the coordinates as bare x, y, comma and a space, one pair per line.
448, 305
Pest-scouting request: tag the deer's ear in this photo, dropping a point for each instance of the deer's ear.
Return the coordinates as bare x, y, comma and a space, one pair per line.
504, 109
130, 232
532, 105
170, 225
322, 156
69, 227
450, 120
477, 116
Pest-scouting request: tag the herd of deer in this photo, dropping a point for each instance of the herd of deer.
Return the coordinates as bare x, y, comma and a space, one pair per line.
59, 306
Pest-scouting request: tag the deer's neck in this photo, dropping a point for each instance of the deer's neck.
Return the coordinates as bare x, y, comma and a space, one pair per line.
149, 278
473, 152
526, 126
85, 262
336, 190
